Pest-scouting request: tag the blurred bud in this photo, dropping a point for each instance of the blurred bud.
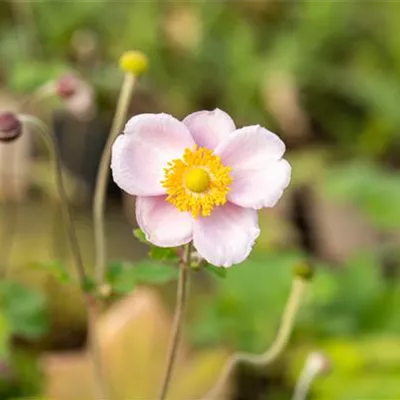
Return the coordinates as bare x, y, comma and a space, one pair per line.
78, 96
105, 290
10, 126
304, 271
183, 19
134, 61
318, 363
281, 95
85, 44
66, 86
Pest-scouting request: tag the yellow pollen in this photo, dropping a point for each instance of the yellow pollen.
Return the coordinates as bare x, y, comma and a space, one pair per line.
197, 182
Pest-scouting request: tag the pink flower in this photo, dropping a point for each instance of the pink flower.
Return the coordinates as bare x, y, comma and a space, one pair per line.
200, 180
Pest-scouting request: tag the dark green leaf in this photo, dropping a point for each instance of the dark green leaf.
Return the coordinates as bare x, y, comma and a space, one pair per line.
89, 285
121, 277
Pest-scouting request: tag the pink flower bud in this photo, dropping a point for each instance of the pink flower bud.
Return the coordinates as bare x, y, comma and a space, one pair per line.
10, 126
78, 96
66, 86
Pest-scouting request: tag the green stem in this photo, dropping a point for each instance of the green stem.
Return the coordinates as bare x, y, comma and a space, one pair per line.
178, 317
47, 137
103, 175
264, 359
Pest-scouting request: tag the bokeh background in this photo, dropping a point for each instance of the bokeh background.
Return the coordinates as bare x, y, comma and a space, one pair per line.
325, 76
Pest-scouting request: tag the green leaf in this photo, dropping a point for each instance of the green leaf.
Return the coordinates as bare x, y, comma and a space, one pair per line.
217, 272
24, 309
156, 253
89, 285
150, 272
140, 235
163, 253
54, 268
121, 277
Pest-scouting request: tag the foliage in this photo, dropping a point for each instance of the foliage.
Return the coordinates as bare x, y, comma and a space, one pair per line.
244, 312
245, 308
23, 310
123, 276
375, 191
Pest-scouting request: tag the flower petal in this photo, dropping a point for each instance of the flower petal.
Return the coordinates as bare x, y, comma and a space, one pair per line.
227, 236
163, 224
258, 188
249, 147
259, 173
141, 154
209, 128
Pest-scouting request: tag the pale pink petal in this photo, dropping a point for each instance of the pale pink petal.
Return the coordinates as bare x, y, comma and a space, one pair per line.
259, 173
141, 154
209, 128
249, 147
163, 224
258, 188
227, 236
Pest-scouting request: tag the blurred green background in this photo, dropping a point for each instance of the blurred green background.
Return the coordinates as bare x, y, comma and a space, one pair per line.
323, 75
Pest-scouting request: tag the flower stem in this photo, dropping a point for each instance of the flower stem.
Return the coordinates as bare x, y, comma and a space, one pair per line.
281, 340
178, 317
103, 174
49, 140
305, 381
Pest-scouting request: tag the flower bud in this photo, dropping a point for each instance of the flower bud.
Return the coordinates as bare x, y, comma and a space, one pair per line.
10, 126
66, 86
135, 62
77, 95
303, 271
318, 363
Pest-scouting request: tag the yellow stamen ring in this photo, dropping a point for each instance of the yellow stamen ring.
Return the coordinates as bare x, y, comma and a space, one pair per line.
198, 182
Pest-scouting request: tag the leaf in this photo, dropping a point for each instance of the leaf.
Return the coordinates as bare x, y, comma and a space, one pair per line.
89, 285
123, 276
54, 268
157, 253
140, 235
161, 253
24, 309
216, 272
120, 277
150, 272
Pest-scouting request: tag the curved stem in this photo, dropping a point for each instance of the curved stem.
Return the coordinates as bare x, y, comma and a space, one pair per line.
178, 317
281, 340
103, 174
49, 140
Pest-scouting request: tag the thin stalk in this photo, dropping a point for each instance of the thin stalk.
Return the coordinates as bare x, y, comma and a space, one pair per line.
274, 351
307, 376
103, 175
48, 139
178, 318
